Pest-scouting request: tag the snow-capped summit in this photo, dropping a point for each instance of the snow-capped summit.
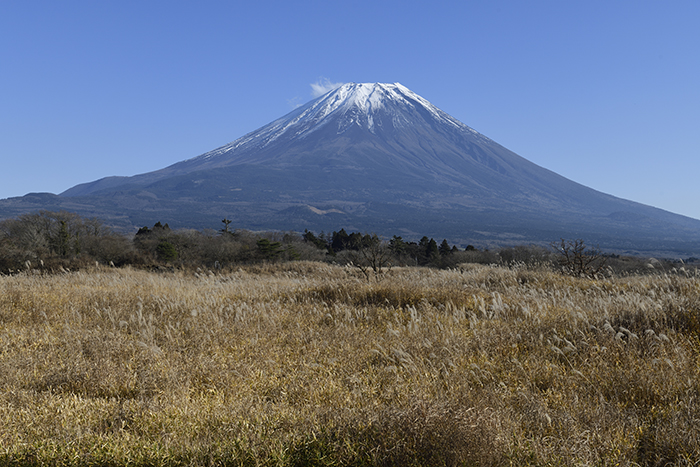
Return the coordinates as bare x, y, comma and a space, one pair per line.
361, 101
377, 108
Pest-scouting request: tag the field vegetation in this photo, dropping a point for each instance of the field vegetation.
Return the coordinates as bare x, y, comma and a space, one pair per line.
308, 363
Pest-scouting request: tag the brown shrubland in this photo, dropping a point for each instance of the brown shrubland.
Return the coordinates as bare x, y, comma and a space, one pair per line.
310, 364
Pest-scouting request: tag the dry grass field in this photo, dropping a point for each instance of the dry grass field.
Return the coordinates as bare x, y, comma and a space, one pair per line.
309, 364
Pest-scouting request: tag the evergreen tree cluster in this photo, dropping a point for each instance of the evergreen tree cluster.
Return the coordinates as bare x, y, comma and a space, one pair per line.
423, 253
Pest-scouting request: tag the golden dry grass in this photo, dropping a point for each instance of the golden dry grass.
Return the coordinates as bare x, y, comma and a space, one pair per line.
308, 364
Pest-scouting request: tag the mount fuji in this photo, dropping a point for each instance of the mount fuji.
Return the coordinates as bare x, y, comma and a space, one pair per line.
378, 158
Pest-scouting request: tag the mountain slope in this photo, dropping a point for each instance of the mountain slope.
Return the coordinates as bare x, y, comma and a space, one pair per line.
378, 157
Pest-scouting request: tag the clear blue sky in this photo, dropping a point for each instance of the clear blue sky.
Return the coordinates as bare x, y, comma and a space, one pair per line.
604, 93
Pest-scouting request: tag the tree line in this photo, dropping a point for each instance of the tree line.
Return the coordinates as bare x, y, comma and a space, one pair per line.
53, 241
425, 252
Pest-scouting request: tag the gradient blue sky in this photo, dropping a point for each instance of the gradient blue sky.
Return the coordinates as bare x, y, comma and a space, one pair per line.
604, 93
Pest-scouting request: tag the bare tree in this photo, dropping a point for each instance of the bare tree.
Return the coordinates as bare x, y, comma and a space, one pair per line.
371, 256
577, 259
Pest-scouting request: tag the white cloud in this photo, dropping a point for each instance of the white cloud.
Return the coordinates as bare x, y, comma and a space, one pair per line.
322, 86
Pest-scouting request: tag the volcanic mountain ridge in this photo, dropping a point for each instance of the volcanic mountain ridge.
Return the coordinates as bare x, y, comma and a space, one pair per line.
379, 158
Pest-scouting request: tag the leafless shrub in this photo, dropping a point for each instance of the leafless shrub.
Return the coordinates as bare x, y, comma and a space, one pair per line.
576, 259
371, 256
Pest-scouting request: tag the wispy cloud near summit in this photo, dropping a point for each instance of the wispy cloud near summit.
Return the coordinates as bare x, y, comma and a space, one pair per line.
322, 86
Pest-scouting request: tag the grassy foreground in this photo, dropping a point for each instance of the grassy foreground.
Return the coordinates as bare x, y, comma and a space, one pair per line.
309, 364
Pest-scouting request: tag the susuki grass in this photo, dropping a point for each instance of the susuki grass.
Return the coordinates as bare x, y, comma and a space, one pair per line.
309, 364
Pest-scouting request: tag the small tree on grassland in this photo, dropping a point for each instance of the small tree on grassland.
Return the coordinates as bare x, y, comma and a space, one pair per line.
372, 255
577, 259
